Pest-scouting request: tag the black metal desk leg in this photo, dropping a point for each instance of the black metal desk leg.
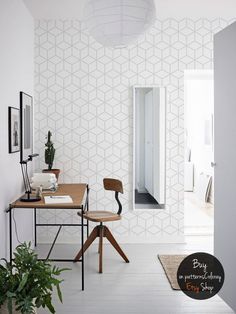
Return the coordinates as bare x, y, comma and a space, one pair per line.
82, 244
87, 207
35, 227
10, 233
87, 228
54, 241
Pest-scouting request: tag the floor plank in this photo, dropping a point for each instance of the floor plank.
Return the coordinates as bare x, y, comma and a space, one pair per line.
138, 287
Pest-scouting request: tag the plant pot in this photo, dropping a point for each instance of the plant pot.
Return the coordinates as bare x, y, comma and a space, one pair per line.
4, 309
55, 171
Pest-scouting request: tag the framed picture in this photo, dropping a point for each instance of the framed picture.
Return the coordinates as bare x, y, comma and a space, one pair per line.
14, 129
26, 124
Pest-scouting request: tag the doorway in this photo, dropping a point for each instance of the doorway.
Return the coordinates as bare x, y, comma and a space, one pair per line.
199, 152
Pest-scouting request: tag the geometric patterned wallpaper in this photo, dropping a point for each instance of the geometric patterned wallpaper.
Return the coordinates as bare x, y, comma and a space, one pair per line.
83, 94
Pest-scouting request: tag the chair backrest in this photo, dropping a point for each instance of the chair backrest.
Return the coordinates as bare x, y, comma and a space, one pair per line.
116, 186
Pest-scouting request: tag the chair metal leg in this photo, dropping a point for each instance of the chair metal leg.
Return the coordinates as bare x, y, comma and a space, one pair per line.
94, 234
111, 239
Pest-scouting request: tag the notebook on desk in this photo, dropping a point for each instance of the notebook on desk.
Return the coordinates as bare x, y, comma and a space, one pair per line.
58, 199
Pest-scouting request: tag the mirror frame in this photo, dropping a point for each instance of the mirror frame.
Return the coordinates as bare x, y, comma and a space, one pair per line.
134, 137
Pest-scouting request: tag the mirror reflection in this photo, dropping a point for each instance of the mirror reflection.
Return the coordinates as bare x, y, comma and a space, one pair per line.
149, 147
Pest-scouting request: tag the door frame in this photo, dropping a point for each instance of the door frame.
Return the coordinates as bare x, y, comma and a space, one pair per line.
198, 74
164, 112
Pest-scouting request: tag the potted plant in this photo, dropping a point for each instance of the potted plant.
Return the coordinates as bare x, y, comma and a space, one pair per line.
49, 156
27, 283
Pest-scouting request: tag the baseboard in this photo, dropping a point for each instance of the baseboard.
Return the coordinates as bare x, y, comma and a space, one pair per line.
199, 231
121, 239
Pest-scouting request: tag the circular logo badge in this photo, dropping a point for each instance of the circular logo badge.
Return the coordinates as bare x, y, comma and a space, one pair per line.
200, 276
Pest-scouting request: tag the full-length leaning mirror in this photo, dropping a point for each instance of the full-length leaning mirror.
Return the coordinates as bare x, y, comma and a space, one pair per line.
149, 147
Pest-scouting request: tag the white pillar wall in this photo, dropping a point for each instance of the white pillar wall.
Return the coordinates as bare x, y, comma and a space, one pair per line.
17, 74
225, 156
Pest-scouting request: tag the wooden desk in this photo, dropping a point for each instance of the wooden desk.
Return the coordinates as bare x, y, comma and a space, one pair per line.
80, 196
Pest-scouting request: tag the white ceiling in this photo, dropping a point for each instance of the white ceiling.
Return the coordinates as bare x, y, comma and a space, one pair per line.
72, 9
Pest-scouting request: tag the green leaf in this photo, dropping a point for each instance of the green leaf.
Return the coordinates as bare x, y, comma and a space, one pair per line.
64, 269
38, 302
50, 306
59, 293
23, 282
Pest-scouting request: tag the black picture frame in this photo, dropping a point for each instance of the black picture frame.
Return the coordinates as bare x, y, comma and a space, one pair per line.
26, 125
14, 129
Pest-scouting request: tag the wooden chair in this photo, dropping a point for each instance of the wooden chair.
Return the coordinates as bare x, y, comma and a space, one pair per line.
102, 231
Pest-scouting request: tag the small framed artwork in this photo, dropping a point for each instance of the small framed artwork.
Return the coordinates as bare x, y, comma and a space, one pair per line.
14, 129
26, 123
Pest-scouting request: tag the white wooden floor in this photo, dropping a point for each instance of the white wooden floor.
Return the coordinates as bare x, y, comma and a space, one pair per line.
138, 288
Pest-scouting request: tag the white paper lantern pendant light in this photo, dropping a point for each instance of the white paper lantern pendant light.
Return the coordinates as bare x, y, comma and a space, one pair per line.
118, 23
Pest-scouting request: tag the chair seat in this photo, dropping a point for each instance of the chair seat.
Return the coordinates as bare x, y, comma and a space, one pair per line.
100, 216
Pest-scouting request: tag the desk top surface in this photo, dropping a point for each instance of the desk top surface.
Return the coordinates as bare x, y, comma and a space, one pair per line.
77, 192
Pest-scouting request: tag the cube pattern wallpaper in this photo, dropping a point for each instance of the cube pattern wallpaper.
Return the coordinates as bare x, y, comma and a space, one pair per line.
83, 94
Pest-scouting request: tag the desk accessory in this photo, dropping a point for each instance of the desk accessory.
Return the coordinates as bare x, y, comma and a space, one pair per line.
58, 199
47, 181
39, 191
28, 197
49, 156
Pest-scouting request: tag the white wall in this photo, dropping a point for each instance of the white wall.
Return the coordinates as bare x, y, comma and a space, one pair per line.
83, 93
16, 74
199, 107
73, 9
225, 155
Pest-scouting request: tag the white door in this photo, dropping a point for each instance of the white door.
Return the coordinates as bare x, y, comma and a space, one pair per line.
225, 158
149, 142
